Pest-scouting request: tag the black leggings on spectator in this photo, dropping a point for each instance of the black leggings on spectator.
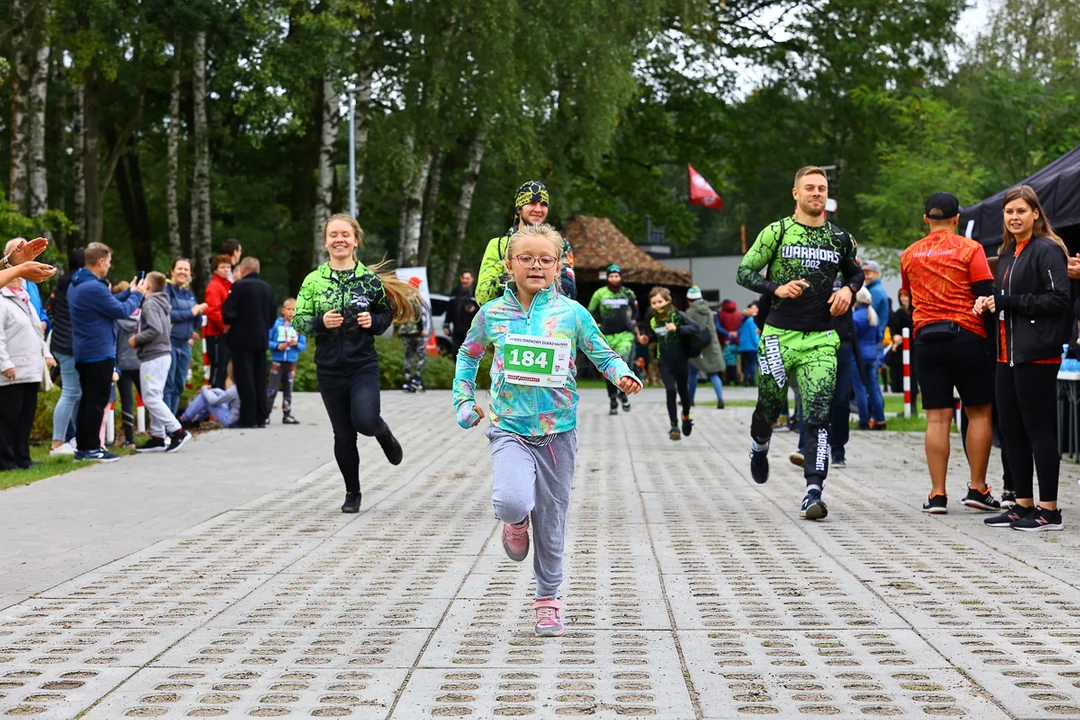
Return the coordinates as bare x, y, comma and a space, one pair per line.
676, 380
352, 402
96, 381
1026, 397
129, 385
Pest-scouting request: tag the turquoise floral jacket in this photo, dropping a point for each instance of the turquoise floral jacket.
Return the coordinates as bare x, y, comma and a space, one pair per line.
519, 409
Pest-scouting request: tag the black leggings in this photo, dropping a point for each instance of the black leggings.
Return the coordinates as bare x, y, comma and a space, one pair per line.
352, 402
676, 380
1026, 398
129, 385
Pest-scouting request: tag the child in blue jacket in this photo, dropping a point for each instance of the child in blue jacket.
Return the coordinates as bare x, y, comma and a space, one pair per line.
286, 344
749, 338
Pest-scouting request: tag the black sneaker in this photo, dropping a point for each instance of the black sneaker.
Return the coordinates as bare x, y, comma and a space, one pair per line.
1040, 521
878, 425
614, 409
838, 462
418, 387
719, 404
154, 444
936, 505
98, 455
626, 406
674, 433
797, 459
759, 465
687, 426
177, 440
813, 507
289, 420
352, 503
1008, 498
980, 501
864, 426
391, 447
1013, 514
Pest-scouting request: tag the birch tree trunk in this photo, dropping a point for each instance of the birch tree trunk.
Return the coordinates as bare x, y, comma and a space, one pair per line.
361, 120
200, 188
431, 207
20, 86
91, 161
468, 188
324, 190
78, 129
39, 83
171, 203
408, 252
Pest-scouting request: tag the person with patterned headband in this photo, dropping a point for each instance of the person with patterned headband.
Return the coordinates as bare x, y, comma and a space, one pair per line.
530, 208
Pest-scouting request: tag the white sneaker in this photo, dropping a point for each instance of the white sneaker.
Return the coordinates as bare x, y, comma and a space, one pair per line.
61, 450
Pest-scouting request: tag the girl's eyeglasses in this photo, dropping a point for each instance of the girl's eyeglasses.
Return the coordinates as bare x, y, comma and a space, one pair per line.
527, 261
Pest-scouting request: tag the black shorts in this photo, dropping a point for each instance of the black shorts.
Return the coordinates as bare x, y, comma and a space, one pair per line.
964, 362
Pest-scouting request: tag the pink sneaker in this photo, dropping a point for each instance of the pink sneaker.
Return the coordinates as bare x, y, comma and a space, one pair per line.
515, 540
548, 617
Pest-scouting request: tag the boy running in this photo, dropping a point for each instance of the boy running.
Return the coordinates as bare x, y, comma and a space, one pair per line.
803, 254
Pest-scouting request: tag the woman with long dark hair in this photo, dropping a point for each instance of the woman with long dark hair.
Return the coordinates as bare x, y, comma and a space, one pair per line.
345, 306
1031, 299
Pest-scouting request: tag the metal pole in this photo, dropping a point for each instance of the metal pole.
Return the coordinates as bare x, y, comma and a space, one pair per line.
352, 152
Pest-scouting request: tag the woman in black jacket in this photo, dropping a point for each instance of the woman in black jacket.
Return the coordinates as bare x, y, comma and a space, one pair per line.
1031, 297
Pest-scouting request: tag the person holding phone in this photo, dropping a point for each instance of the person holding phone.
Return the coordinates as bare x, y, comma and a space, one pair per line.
345, 306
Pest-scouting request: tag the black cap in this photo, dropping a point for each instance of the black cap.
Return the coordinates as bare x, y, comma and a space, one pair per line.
942, 206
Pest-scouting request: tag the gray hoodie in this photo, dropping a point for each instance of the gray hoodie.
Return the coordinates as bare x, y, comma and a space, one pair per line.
152, 340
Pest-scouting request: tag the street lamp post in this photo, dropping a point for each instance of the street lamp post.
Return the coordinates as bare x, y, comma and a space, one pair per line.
352, 152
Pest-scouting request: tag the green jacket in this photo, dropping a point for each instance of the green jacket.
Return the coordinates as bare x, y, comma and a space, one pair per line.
615, 311
489, 284
349, 347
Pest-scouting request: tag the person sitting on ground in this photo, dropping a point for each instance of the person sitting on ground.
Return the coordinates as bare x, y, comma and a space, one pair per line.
285, 344
211, 403
155, 359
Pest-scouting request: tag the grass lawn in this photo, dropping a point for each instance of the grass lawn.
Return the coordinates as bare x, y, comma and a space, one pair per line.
49, 466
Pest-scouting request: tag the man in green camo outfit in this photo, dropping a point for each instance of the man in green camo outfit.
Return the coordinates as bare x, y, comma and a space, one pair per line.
803, 255
616, 311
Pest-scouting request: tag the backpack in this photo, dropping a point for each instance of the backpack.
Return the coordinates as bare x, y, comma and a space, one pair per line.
694, 343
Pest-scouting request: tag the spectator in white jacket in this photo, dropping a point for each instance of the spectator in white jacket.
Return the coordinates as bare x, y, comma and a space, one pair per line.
23, 359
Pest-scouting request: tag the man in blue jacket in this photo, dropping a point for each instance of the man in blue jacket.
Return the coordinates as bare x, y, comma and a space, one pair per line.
94, 312
880, 303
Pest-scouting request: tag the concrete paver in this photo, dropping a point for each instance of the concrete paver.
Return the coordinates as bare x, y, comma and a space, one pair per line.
224, 582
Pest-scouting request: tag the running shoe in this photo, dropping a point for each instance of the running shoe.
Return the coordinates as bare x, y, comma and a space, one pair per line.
674, 433
864, 426
614, 409
813, 507
407, 387
719, 404
154, 444
289, 420
1012, 515
936, 505
1008, 498
1040, 521
62, 450
352, 503
759, 465
874, 425
980, 500
515, 540
797, 458
391, 447
98, 455
838, 462
177, 440
626, 404
548, 617
418, 386
687, 425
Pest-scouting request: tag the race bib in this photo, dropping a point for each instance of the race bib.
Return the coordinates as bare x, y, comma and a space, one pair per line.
660, 330
536, 361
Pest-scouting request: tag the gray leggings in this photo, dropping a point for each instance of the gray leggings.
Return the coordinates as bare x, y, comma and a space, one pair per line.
531, 480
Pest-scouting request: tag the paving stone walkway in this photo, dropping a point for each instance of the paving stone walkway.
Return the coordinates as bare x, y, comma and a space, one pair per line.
691, 592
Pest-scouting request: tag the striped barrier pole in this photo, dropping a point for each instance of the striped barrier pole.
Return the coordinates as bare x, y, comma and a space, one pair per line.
108, 427
205, 355
140, 414
908, 410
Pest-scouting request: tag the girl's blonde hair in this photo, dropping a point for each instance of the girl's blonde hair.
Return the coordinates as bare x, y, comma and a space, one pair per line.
399, 294
661, 291
540, 230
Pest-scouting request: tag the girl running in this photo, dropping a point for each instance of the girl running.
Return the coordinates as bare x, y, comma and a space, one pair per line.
345, 306
533, 438
666, 327
1031, 297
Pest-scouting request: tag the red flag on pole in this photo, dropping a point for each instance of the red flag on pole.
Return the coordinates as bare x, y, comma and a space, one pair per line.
701, 192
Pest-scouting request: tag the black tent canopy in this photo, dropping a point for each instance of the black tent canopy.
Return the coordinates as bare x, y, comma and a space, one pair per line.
1058, 188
